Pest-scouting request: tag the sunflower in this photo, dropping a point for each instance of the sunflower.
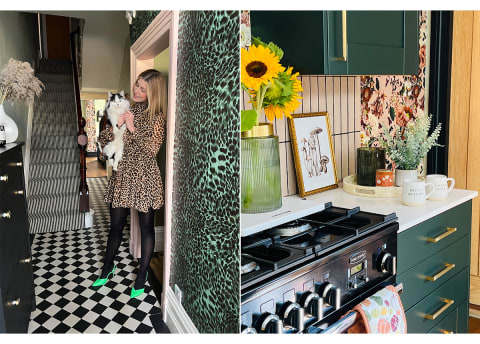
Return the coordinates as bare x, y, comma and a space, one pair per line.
259, 66
283, 99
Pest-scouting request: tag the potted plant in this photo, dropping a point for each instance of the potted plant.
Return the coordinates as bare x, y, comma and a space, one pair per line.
407, 145
272, 89
17, 83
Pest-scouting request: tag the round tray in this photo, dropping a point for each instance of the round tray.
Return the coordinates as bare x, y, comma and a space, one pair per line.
350, 186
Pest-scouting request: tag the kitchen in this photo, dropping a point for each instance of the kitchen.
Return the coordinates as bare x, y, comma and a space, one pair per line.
298, 273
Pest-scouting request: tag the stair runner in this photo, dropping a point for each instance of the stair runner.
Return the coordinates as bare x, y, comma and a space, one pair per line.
54, 173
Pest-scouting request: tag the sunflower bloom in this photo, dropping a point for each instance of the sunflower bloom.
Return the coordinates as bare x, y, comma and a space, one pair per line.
259, 66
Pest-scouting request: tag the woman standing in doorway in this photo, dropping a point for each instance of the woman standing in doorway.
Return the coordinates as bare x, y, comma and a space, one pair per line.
137, 182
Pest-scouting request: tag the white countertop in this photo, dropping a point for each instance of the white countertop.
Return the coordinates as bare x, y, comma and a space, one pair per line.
294, 207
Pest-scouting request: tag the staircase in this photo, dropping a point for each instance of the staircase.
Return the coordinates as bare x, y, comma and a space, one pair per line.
54, 173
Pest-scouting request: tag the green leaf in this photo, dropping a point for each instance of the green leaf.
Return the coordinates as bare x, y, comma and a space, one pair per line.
392, 113
377, 299
276, 50
249, 118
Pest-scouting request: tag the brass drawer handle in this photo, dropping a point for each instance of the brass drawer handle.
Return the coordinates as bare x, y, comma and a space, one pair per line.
26, 260
450, 230
448, 267
6, 215
15, 302
4, 178
19, 192
16, 164
446, 332
435, 315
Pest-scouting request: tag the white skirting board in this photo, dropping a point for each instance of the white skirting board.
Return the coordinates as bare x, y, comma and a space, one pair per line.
177, 319
159, 240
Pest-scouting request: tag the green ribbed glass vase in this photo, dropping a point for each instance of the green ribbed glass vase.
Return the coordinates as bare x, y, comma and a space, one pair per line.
260, 174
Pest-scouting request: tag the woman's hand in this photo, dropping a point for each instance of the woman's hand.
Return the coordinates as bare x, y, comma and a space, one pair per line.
128, 118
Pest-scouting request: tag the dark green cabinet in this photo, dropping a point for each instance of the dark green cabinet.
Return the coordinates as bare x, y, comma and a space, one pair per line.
434, 264
343, 42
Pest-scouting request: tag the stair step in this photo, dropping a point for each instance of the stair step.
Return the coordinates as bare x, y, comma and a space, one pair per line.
58, 129
55, 62
59, 202
55, 221
54, 117
44, 170
54, 68
45, 106
55, 155
53, 185
48, 78
54, 142
57, 97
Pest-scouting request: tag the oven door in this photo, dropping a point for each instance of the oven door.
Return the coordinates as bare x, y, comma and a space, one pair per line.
334, 323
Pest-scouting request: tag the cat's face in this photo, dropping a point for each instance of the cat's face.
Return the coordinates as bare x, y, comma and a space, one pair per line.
117, 101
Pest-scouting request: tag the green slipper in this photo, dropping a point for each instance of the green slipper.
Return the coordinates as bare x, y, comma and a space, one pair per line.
137, 292
102, 281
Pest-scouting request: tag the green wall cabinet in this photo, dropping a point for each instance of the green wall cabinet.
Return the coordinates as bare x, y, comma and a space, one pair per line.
343, 42
433, 265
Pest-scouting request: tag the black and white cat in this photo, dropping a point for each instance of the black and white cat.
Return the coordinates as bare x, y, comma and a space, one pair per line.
117, 105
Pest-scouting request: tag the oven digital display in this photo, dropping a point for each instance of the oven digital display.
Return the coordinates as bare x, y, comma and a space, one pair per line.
356, 268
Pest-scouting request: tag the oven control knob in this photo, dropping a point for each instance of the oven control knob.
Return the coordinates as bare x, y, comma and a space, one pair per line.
293, 315
387, 263
248, 330
313, 304
330, 294
269, 323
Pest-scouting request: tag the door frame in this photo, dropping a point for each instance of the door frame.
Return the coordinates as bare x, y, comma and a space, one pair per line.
160, 34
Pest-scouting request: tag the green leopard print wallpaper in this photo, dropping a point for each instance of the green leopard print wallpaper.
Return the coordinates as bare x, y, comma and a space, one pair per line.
140, 23
206, 182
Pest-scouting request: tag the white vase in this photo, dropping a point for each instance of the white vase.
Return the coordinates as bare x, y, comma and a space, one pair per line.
11, 129
402, 175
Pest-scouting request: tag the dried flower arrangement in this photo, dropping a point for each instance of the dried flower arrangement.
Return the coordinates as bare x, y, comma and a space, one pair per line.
18, 83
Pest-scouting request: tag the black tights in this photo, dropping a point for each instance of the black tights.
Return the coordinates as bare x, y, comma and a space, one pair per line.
118, 218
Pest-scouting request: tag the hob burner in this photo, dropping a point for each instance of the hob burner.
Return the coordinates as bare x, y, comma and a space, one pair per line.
247, 265
290, 229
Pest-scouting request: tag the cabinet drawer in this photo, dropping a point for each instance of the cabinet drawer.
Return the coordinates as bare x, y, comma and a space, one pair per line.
17, 301
437, 304
413, 244
434, 271
447, 325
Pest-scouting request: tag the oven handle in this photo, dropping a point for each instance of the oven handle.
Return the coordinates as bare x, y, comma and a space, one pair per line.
342, 325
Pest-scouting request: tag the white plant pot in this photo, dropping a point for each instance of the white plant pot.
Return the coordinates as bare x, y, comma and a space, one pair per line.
11, 129
402, 175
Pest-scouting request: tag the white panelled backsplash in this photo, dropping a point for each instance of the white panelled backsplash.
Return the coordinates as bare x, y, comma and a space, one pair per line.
340, 97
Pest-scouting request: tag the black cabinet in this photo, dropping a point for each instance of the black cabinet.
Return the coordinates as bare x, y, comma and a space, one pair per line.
16, 274
343, 42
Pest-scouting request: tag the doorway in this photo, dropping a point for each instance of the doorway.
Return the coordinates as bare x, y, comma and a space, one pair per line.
156, 47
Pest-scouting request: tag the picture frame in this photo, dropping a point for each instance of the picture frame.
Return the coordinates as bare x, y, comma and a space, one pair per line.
313, 152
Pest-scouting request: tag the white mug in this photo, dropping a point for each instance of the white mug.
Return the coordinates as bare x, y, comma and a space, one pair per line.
441, 186
414, 192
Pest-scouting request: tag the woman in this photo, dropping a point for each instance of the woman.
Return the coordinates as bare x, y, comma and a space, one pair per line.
137, 182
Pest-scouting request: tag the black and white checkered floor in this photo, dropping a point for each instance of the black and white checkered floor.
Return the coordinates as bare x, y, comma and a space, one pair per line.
66, 264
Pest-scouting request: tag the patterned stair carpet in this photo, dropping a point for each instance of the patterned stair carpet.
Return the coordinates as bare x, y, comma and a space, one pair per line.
65, 264
54, 173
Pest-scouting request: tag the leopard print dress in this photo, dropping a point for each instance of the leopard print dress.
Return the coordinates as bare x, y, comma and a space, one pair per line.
137, 183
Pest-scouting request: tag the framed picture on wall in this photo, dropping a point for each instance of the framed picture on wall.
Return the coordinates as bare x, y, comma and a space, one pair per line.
313, 152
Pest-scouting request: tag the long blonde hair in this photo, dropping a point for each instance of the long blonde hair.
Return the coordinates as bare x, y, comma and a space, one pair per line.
156, 92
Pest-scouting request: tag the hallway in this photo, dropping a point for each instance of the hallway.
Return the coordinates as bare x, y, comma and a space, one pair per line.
65, 264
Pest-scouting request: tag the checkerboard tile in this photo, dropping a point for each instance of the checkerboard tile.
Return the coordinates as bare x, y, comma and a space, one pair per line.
66, 264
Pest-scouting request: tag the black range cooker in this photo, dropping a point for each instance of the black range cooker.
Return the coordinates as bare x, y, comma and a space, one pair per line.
302, 276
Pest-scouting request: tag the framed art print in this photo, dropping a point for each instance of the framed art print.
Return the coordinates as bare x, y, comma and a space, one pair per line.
313, 152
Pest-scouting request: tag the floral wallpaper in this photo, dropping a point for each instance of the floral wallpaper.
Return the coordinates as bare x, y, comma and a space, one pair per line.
388, 101
245, 29
90, 127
